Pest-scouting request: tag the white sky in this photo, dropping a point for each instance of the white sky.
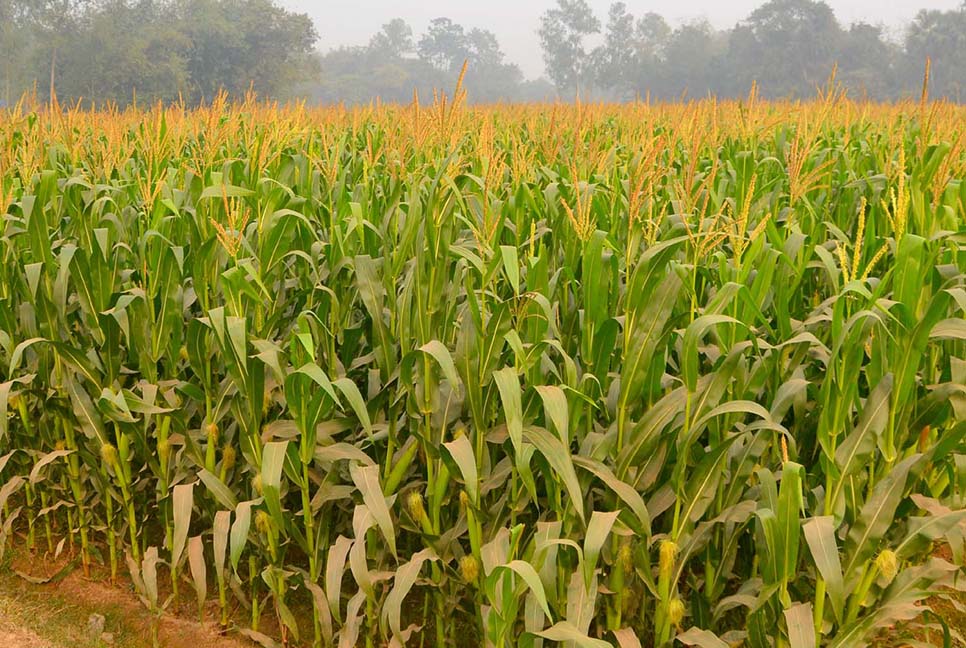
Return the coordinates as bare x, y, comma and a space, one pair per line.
515, 22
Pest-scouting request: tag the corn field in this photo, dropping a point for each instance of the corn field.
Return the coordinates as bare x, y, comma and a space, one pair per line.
577, 375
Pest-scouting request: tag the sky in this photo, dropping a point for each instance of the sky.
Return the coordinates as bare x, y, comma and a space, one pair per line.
515, 22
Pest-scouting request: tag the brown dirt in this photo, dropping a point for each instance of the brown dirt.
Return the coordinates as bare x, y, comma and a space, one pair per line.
59, 613
174, 632
21, 639
12, 634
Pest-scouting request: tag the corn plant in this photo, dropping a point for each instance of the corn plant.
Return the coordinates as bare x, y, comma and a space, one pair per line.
584, 375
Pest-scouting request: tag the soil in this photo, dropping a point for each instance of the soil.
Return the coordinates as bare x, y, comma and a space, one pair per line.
56, 614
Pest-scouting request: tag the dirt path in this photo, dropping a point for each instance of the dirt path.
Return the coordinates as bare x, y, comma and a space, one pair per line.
58, 615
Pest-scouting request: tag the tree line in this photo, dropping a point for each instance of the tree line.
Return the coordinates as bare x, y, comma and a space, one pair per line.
789, 48
119, 51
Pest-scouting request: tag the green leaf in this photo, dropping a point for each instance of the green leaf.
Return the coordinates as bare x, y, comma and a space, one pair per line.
556, 410
222, 191
334, 569
820, 536
597, 531
182, 503
441, 354
789, 506
239, 532
196, 563
273, 459
403, 582
511, 265
218, 489
220, 530
460, 451
559, 459
352, 394
701, 638
366, 479
509, 386
801, 629
853, 453
623, 490
529, 575
875, 518
564, 631
646, 321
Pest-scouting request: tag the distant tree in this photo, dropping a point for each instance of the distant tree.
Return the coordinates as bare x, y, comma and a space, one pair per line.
483, 48
536, 90
618, 57
867, 62
653, 33
787, 46
563, 31
125, 50
13, 44
237, 44
690, 56
941, 37
444, 45
395, 39
383, 69
51, 24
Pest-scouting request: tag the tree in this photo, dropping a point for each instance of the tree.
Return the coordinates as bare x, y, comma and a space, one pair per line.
489, 78
125, 49
690, 57
938, 36
563, 31
616, 59
383, 69
240, 44
50, 24
395, 39
653, 33
787, 46
13, 43
867, 62
444, 45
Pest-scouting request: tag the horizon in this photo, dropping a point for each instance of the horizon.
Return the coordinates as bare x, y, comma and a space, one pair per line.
345, 24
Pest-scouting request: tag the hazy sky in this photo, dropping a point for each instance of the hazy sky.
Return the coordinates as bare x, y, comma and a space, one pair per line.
515, 22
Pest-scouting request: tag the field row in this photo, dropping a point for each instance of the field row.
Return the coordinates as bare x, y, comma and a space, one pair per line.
505, 376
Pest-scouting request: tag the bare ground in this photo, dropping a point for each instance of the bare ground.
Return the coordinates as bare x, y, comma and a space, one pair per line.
56, 615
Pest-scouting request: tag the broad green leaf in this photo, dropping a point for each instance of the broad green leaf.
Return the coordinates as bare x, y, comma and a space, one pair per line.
560, 460
352, 394
239, 532
273, 459
366, 479
820, 536
460, 450
565, 632
182, 503
509, 386
598, 528
801, 629
701, 638
196, 563
220, 531
403, 582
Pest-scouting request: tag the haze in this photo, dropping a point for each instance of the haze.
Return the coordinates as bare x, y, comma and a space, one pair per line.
515, 22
